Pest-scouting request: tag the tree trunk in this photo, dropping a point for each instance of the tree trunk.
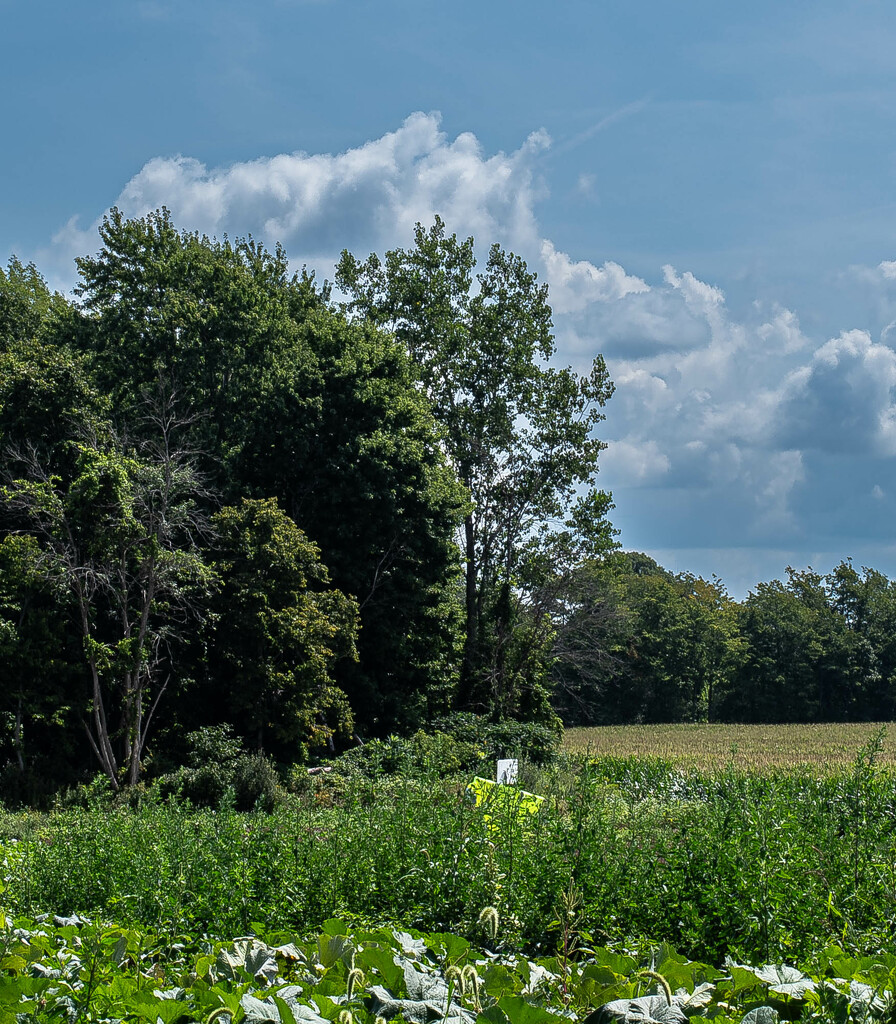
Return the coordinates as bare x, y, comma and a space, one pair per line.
17, 741
471, 635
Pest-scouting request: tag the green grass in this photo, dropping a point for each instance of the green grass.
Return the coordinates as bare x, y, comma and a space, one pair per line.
760, 865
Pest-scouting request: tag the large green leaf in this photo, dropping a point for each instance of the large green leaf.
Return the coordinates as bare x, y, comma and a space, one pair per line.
786, 981
644, 1010
694, 1002
247, 956
417, 1011
381, 962
521, 1011
426, 986
761, 1015
452, 947
331, 948
293, 1012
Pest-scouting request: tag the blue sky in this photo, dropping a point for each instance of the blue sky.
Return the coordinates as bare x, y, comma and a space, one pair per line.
707, 188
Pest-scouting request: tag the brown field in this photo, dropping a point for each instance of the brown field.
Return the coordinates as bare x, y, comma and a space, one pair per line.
743, 746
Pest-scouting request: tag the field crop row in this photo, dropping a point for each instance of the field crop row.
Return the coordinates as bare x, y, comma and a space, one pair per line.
57, 969
751, 747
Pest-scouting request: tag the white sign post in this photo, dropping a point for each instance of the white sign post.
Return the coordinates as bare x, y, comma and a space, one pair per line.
508, 771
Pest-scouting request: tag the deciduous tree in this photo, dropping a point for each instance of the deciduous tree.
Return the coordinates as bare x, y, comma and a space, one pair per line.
518, 431
121, 538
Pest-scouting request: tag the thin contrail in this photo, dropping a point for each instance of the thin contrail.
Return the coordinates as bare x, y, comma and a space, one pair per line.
605, 122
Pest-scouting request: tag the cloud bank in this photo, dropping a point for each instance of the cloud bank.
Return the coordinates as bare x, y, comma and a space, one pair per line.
725, 434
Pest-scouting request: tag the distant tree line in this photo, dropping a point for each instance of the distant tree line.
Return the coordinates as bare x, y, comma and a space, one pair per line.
636, 643
231, 499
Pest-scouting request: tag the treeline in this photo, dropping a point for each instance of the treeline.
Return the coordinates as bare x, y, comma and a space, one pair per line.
228, 498
639, 644
231, 499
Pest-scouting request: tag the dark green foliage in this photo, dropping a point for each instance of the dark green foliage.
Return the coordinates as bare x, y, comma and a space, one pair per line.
40, 665
26, 304
220, 772
461, 742
346, 971
817, 649
637, 644
211, 319
279, 630
284, 399
410, 528
245, 377
48, 404
365, 478
119, 542
535, 742
432, 755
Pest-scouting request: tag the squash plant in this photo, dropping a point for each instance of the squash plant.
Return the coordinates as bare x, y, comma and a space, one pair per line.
72, 970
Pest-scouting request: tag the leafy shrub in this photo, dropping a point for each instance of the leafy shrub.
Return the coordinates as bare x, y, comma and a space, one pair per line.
423, 753
220, 772
531, 741
255, 782
459, 743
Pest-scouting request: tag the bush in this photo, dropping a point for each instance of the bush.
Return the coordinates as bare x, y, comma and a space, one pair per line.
436, 754
460, 743
255, 783
221, 772
530, 741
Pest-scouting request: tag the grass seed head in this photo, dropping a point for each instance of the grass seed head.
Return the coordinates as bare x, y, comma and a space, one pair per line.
471, 985
355, 980
488, 922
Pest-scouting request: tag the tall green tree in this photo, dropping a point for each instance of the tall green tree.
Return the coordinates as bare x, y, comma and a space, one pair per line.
26, 303
364, 476
121, 539
866, 603
289, 400
47, 399
518, 432
214, 321
280, 628
39, 665
640, 644
802, 662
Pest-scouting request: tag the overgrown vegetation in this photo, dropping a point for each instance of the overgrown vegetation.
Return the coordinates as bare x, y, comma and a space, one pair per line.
761, 866
71, 968
226, 499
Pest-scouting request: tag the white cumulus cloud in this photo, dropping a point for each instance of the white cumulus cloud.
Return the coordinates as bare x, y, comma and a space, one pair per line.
721, 420
636, 463
365, 198
576, 284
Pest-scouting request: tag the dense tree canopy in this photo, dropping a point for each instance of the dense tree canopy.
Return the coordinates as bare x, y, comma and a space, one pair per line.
120, 541
279, 628
26, 303
230, 503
